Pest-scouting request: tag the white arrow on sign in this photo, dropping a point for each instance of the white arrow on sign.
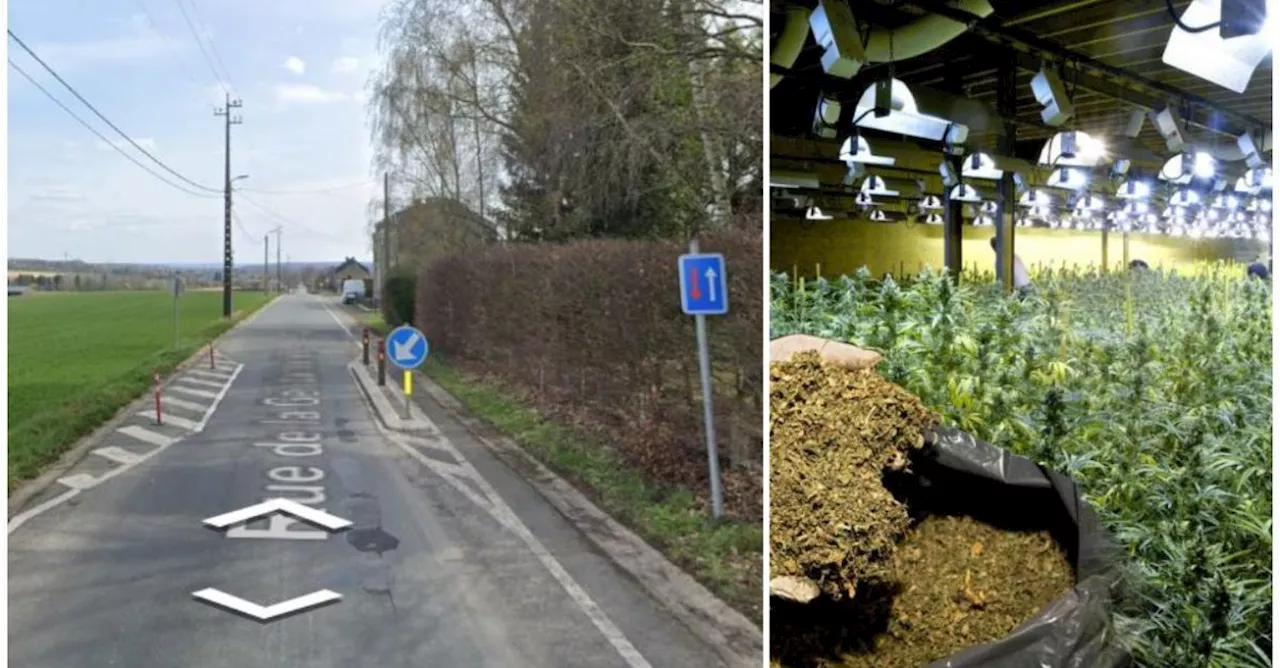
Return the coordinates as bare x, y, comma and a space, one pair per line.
317, 517
265, 614
711, 283
404, 351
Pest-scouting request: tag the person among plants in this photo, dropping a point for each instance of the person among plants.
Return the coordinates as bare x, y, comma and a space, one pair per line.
1021, 279
1137, 265
1258, 270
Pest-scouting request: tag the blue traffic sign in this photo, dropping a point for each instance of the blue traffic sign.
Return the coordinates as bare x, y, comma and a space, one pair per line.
407, 347
703, 288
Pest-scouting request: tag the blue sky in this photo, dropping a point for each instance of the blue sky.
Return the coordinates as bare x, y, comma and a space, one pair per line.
299, 66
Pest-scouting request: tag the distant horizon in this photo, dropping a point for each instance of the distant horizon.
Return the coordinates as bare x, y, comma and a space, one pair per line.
182, 265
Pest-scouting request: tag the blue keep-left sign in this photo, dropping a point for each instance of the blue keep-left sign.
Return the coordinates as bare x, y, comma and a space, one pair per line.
407, 347
703, 287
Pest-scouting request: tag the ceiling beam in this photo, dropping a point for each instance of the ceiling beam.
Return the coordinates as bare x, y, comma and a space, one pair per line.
1108, 80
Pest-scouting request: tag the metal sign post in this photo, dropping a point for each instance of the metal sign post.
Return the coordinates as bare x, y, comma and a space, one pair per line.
703, 292
407, 348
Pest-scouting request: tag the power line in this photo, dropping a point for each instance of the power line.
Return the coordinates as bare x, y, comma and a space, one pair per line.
155, 27
223, 81
309, 192
282, 219
104, 118
99, 135
212, 47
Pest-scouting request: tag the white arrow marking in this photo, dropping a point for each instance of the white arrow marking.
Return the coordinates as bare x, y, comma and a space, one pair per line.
268, 613
711, 283
404, 351
318, 517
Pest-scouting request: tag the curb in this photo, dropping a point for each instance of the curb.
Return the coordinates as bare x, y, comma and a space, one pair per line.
733, 636
76, 453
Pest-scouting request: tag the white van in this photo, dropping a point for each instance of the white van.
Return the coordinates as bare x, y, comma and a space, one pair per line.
352, 290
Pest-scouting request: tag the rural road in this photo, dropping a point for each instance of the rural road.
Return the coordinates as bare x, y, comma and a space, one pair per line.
427, 576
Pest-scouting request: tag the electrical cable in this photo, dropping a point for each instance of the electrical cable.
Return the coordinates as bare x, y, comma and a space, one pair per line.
106, 120
283, 219
223, 82
308, 192
1178, 20
212, 47
99, 135
155, 27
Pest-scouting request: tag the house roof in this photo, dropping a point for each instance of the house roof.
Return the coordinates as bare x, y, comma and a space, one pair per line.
347, 263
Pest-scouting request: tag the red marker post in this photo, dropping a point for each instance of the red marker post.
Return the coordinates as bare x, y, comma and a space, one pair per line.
364, 351
382, 362
159, 416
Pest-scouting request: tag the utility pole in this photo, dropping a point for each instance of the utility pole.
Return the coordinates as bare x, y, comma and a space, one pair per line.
384, 274
279, 271
266, 262
226, 217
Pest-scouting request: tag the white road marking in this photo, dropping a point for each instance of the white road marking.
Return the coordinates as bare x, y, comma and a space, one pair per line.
182, 403
260, 613
497, 507
217, 399
219, 375
79, 481
200, 381
190, 391
307, 513
118, 455
141, 433
171, 419
147, 436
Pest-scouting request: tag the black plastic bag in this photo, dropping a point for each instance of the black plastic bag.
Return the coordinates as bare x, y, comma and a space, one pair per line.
959, 474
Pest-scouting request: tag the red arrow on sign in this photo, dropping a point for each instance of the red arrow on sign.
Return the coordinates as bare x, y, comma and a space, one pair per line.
693, 283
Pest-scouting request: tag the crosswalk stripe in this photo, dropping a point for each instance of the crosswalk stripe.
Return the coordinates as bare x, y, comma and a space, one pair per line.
146, 435
193, 392
218, 375
79, 481
201, 381
171, 419
180, 403
117, 454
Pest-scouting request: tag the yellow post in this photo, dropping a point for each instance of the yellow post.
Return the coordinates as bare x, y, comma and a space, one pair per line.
408, 383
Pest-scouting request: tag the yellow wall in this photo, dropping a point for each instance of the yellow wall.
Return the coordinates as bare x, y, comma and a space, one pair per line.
842, 246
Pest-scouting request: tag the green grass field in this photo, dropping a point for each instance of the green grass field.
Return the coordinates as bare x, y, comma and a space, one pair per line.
77, 358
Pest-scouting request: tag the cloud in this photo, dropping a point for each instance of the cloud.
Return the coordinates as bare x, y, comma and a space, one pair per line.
346, 65
307, 94
296, 65
135, 43
57, 195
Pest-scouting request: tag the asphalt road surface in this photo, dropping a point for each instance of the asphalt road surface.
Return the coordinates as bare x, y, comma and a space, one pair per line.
427, 576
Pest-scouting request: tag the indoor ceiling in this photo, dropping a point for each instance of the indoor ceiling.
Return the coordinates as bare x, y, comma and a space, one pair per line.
1120, 44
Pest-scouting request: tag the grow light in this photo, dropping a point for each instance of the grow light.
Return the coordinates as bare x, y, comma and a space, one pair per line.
931, 203
1035, 198
932, 219
1133, 189
882, 187
967, 193
856, 149
815, 213
987, 167
1068, 178
1073, 148
882, 216
1185, 197
905, 116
